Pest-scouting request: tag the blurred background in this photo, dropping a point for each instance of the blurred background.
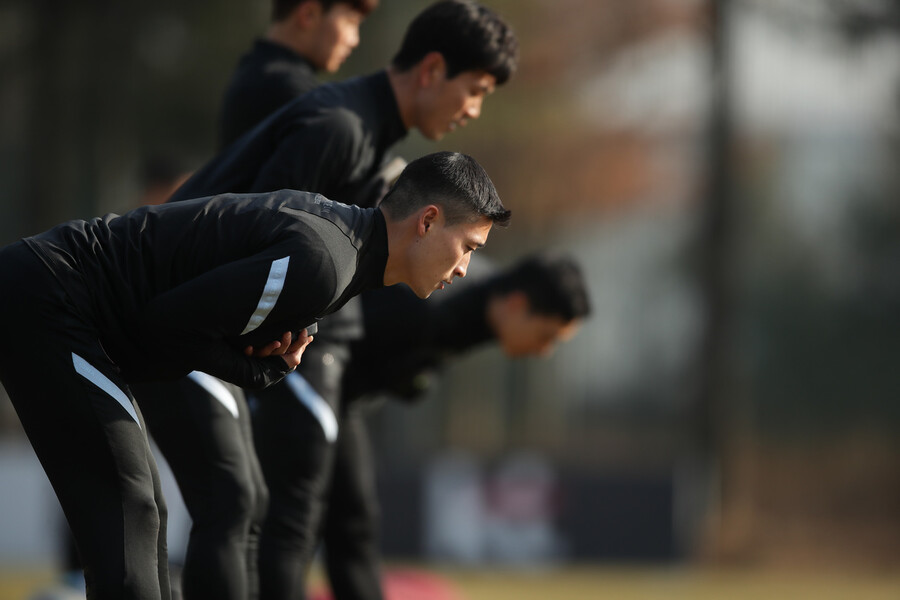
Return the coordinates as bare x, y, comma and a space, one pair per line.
726, 171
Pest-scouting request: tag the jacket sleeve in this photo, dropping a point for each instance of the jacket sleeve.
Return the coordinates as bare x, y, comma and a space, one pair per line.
321, 156
205, 323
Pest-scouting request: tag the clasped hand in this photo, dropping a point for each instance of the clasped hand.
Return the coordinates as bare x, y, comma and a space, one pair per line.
287, 350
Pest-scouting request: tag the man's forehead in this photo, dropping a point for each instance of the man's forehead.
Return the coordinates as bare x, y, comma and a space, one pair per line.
561, 328
480, 78
567, 331
477, 232
487, 82
345, 9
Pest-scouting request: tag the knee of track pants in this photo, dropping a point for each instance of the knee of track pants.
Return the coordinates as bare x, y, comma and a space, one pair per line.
234, 504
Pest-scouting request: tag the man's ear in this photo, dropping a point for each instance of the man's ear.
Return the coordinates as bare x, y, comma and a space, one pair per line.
427, 218
431, 68
515, 302
506, 311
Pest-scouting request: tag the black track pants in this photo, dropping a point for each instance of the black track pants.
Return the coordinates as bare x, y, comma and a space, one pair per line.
352, 516
86, 430
202, 426
295, 429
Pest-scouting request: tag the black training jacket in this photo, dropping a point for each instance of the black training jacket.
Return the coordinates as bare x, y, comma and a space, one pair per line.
408, 337
187, 286
266, 78
332, 141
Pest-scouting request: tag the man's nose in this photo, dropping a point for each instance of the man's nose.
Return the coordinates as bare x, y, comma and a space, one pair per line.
353, 40
473, 111
460, 270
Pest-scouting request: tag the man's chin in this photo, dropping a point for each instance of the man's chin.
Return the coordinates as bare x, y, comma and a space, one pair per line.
435, 135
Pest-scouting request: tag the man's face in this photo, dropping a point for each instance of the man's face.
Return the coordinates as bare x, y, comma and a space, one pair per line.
523, 332
442, 252
450, 103
336, 35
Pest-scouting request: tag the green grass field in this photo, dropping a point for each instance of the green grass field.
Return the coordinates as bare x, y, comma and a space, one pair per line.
609, 583
604, 583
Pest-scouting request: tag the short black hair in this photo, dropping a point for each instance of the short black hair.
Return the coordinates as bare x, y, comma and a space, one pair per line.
468, 35
282, 8
553, 284
453, 181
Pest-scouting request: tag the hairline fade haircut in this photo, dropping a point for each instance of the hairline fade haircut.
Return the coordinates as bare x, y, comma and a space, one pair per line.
453, 181
469, 36
553, 284
282, 8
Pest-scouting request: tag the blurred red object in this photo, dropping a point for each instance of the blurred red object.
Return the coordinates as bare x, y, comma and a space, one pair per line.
408, 584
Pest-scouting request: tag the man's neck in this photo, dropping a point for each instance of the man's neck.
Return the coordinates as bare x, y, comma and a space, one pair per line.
404, 87
398, 238
283, 34
493, 312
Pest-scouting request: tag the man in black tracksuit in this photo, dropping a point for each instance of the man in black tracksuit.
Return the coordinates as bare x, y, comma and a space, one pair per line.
226, 285
526, 309
334, 141
304, 38
227, 514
